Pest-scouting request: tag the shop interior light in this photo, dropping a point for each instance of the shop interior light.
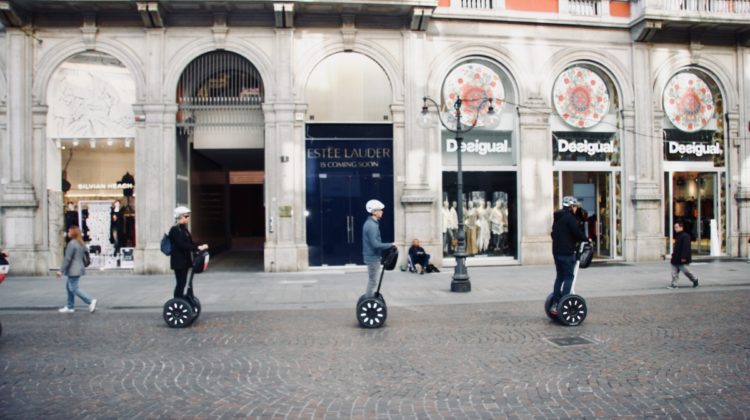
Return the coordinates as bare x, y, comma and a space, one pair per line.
92, 142
76, 142
58, 143
110, 142
127, 142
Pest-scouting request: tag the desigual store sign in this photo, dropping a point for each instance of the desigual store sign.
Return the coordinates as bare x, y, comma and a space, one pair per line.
574, 146
480, 148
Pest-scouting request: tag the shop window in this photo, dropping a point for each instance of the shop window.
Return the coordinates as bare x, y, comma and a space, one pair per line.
488, 158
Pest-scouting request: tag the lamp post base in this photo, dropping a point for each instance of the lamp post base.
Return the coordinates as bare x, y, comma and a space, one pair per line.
460, 286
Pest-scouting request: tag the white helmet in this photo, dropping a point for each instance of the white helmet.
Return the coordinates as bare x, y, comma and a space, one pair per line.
569, 200
179, 211
373, 205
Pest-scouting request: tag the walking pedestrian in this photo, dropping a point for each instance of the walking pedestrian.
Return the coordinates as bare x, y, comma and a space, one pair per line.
73, 267
372, 246
681, 256
566, 234
183, 248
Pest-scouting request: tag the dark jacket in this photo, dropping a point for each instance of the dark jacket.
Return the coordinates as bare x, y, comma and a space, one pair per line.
182, 248
681, 252
416, 254
566, 232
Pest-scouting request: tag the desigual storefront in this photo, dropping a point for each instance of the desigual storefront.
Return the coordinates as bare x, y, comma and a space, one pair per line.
694, 160
489, 160
586, 131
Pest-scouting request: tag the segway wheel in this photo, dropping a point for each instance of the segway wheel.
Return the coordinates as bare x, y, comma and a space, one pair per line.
178, 313
548, 308
197, 309
571, 310
371, 312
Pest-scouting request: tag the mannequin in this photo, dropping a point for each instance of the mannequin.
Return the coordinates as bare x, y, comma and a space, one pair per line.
71, 218
116, 225
471, 229
446, 213
499, 222
454, 226
483, 226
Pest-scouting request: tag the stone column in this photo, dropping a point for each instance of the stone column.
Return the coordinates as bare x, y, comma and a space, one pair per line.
19, 201
741, 139
417, 158
536, 191
645, 240
155, 159
285, 246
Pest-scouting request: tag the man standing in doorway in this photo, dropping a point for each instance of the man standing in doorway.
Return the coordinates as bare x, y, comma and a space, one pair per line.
681, 256
371, 244
566, 233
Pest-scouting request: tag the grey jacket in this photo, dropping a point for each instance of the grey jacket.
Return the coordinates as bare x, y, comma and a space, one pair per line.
371, 244
72, 265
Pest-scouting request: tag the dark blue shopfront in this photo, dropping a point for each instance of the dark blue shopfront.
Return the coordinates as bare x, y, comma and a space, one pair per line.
346, 165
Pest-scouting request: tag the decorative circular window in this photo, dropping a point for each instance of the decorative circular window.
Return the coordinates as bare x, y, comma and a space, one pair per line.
581, 97
688, 102
473, 83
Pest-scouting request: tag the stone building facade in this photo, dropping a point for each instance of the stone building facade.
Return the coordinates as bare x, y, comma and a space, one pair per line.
275, 121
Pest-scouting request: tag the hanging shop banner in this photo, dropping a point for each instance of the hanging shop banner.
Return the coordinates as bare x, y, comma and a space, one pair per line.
586, 147
479, 148
693, 147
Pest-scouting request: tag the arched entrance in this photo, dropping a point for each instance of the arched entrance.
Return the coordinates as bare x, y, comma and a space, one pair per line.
349, 156
220, 157
91, 127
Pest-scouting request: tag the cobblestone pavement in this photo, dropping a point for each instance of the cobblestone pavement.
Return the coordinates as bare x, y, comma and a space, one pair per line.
680, 355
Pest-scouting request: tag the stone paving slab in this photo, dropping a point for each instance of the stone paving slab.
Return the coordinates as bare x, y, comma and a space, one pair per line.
665, 355
340, 288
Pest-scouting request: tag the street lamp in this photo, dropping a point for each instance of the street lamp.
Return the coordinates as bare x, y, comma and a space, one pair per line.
452, 122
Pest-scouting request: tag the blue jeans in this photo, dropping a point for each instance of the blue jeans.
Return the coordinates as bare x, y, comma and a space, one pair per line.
74, 290
565, 266
373, 268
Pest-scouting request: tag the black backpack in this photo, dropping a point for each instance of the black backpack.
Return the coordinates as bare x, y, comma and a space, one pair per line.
200, 262
389, 257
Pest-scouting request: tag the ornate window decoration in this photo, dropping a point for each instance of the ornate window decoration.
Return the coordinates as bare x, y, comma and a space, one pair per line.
581, 98
688, 102
473, 82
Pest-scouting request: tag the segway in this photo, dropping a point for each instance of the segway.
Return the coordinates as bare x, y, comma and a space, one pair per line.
372, 311
182, 312
571, 309
4, 268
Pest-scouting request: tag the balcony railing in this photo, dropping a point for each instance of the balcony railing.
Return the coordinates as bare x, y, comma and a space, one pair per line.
708, 6
584, 7
588, 8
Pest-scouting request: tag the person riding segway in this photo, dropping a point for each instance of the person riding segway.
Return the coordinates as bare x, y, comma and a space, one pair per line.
371, 309
185, 255
562, 305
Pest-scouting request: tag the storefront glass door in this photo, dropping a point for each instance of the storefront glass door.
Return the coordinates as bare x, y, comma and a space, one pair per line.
694, 198
347, 165
600, 214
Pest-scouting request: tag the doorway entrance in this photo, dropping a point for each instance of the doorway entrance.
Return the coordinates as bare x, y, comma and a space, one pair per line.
598, 193
220, 158
694, 198
347, 165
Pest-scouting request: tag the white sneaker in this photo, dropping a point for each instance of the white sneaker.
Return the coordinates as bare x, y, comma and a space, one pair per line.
66, 310
92, 307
